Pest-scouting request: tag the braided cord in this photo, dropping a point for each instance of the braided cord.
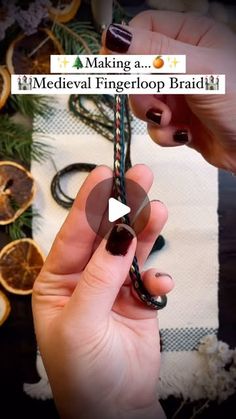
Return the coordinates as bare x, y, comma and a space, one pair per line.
119, 193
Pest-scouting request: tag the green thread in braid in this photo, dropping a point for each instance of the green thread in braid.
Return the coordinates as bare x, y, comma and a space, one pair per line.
120, 194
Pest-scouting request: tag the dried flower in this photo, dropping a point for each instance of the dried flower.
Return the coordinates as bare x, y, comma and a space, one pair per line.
30, 19
208, 344
224, 353
219, 379
7, 16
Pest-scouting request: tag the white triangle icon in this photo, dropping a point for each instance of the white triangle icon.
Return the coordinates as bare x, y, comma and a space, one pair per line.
116, 210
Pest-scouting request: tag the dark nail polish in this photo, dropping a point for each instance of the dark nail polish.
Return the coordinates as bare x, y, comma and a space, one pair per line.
119, 240
154, 115
181, 136
161, 342
118, 39
158, 274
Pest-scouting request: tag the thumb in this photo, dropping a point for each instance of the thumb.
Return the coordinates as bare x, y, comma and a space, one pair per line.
137, 41
104, 275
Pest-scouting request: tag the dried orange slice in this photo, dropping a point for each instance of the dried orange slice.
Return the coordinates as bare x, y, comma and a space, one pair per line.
5, 308
30, 54
5, 85
65, 10
17, 191
20, 264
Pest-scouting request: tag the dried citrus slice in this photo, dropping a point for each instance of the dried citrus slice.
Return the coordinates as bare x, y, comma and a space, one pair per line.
20, 264
5, 85
17, 191
5, 308
30, 54
64, 10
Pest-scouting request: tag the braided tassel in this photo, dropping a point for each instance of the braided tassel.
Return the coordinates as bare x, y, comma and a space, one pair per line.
120, 194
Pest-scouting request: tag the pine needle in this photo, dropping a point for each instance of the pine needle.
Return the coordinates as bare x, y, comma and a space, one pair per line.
18, 229
119, 13
31, 105
77, 37
16, 143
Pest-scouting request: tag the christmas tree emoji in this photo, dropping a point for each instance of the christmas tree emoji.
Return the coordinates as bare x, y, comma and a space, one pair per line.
78, 63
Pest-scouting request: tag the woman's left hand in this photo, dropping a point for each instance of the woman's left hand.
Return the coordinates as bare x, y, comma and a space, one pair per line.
99, 342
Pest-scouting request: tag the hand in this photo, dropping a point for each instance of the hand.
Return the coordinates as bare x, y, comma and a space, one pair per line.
99, 342
203, 122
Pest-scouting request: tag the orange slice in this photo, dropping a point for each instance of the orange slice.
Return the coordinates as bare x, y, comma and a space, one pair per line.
65, 10
31, 54
17, 190
5, 308
20, 264
158, 62
5, 85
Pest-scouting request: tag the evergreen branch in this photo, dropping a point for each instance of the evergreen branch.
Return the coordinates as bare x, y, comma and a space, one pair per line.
75, 35
16, 143
119, 13
17, 229
77, 38
31, 105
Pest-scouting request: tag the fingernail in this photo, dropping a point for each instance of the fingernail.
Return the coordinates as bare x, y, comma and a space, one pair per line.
161, 342
181, 136
158, 274
118, 39
154, 115
119, 240
157, 200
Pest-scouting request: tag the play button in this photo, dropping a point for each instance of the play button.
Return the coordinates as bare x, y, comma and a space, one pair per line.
103, 209
116, 210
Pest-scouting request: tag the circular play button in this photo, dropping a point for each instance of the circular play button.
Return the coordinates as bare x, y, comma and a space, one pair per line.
103, 209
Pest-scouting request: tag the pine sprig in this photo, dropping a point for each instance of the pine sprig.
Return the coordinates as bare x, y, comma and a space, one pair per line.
31, 105
119, 13
17, 229
77, 37
16, 143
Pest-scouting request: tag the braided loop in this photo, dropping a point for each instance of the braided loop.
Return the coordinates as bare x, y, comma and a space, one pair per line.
120, 194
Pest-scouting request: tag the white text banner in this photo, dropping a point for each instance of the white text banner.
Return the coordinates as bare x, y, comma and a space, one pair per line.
118, 84
118, 64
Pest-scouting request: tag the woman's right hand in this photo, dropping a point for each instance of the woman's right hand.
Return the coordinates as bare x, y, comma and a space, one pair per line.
206, 123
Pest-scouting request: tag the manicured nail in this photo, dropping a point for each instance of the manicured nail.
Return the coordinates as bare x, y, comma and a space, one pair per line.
161, 342
159, 274
154, 116
119, 240
181, 136
118, 39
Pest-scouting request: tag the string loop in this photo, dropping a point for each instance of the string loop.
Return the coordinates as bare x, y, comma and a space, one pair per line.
119, 193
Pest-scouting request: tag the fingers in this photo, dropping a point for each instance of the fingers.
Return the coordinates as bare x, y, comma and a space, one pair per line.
185, 27
173, 24
104, 275
157, 283
189, 28
128, 303
175, 121
170, 136
150, 109
72, 247
101, 289
141, 175
152, 37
